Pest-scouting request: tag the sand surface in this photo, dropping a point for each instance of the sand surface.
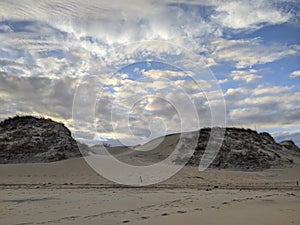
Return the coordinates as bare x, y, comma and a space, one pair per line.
69, 192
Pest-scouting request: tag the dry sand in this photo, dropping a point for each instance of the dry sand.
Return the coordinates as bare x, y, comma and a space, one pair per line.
69, 192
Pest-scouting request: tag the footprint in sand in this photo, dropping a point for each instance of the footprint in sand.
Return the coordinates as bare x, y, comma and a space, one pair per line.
181, 211
145, 217
198, 209
125, 221
164, 214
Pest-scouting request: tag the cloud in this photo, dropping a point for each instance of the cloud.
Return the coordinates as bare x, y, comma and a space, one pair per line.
47, 47
288, 135
223, 81
44, 96
113, 21
248, 76
167, 74
248, 52
234, 94
123, 21
263, 90
295, 74
264, 106
249, 14
130, 109
99, 36
5, 28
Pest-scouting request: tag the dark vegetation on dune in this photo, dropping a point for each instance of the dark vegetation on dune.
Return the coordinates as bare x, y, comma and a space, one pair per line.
29, 139
246, 149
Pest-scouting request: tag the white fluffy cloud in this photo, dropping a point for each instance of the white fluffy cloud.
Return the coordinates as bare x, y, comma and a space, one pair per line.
262, 90
233, 94
295, 74
124, 21
248, 52
248, 76
264, 106
112, 21
92, 34
164, 74
249, 14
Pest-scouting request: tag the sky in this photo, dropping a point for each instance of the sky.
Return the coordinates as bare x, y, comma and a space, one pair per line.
135, 70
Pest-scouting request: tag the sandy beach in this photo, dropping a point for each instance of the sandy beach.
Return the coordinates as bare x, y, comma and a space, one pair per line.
70, 192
